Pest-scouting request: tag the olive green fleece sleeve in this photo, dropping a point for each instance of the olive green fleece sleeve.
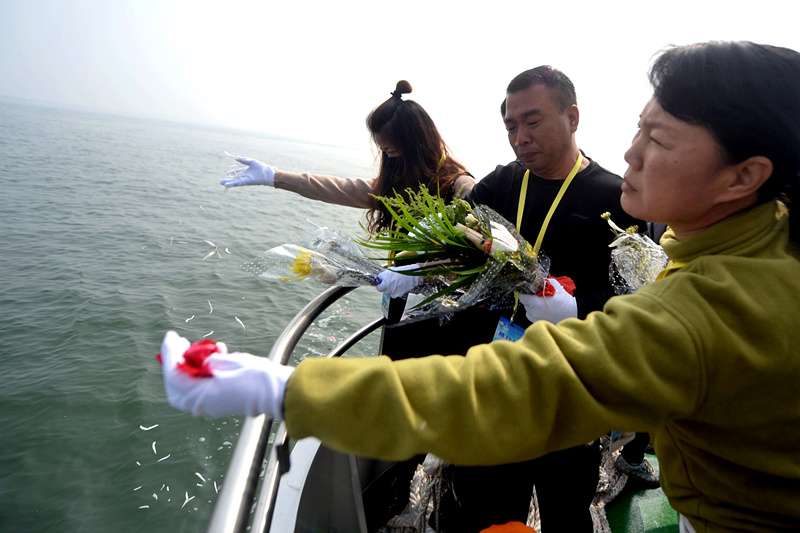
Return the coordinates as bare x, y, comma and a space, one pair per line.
628, 368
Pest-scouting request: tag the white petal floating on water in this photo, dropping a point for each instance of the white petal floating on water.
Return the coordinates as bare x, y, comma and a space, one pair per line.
154, 448
210, 243
138, 463
209, 333
227, 443
198, 484
198, 474
162, 486
164, 458
187, 500
137, 488
189, 319
209, 254
215, 488
210, 307
240, 322
227, 251
144, 507
155, 496
148, 428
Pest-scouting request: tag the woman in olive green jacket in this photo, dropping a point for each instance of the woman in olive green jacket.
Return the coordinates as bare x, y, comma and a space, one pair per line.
706, 358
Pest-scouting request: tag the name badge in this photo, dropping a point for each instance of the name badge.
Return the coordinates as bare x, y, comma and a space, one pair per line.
507, 330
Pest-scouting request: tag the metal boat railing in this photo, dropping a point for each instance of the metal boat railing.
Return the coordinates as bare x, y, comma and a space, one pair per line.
243, 505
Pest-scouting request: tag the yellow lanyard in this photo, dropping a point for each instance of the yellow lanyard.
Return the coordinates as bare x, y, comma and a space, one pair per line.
523, 191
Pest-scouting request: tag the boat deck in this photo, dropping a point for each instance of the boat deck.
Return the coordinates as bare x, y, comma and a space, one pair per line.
642, 511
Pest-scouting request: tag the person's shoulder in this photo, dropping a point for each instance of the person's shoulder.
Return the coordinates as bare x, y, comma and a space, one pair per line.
503, 172
601, 174
606, 189
496, 183
602, 183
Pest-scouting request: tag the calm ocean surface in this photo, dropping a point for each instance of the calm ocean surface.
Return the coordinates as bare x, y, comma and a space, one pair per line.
104, 224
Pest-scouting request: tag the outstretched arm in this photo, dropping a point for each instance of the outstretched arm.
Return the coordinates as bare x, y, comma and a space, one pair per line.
559, 386
330, 189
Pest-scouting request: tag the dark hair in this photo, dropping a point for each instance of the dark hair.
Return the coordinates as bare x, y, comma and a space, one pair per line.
748, 96
549, 77
423, 160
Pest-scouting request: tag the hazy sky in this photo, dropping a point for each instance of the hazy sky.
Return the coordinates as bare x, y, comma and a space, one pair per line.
313, 70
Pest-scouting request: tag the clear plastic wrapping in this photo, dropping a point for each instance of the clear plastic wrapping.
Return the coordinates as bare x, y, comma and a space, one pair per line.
464, 255
635, 259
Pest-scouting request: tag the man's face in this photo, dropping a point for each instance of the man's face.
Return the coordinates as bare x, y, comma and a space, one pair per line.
676, 171
539, 131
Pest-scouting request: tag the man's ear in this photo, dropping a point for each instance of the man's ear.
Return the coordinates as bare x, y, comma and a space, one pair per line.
748, 176
574, 117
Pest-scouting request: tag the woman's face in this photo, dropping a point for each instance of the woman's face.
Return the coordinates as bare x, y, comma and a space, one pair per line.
386, 146
676, 172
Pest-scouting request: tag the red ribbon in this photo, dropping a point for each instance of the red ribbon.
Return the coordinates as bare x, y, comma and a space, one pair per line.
548, 289
194, 359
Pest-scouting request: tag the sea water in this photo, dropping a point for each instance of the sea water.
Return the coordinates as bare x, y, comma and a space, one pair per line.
113, 230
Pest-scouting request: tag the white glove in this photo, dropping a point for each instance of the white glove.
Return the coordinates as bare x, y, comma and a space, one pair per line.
252, 173
396, 284
222, 383
553, 308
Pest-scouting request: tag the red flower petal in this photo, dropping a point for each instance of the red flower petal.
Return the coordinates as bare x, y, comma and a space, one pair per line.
204, 371
567, 283
199, 351
194, 359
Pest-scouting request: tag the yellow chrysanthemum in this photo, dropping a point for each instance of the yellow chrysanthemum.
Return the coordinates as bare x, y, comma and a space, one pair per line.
301, 266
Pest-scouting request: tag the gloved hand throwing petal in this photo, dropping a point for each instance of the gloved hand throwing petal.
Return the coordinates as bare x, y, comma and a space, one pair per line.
553, 303
394, 283
204, 379
253, 172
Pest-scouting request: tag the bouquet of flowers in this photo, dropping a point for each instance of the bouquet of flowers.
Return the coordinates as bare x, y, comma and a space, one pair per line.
332, 259
464, 255
635, 259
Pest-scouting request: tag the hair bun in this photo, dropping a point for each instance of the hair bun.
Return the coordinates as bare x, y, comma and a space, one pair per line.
402, 87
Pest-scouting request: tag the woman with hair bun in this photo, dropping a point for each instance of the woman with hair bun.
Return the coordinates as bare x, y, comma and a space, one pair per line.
412, 154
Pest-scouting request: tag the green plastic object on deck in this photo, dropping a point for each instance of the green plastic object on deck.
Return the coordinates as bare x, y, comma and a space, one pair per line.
642, 511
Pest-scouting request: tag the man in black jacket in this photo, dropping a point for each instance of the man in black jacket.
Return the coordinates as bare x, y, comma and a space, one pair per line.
551, 175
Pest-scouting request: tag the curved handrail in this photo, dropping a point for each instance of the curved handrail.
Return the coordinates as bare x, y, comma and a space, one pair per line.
234, 503
265, 500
